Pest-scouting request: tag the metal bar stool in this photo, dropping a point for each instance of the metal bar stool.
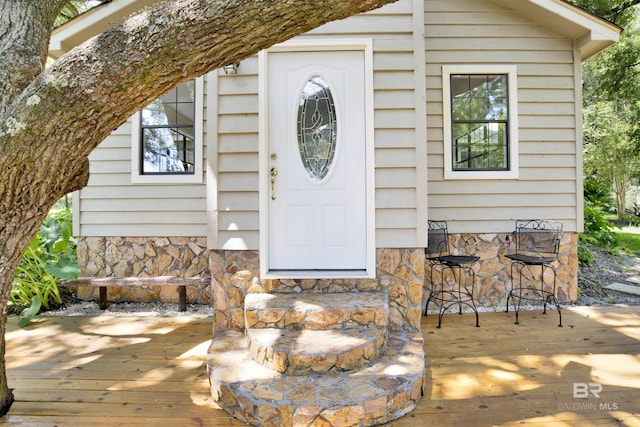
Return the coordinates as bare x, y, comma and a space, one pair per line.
535, 243
438, 253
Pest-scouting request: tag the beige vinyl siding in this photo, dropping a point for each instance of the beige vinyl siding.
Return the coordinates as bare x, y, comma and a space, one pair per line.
237, 180
396, 160
111, 205
480, 32
456, 32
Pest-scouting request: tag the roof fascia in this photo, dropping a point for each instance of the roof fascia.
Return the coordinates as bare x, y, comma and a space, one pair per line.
91, 23
590, 33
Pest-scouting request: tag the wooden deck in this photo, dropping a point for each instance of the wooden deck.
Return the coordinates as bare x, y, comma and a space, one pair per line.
128, 371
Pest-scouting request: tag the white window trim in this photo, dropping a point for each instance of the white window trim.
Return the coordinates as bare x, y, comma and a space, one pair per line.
196, 177
511, 71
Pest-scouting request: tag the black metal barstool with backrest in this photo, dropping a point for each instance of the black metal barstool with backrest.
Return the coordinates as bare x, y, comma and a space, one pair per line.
439, 254
535, 243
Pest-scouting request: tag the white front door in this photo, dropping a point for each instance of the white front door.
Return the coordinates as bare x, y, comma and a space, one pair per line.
316, 148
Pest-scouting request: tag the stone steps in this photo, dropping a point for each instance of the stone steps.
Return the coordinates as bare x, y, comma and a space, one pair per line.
316, 359
256, 394
624, 288
307, 351
316, 310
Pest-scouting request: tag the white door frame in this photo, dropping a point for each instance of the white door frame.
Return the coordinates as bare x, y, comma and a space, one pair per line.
308, 45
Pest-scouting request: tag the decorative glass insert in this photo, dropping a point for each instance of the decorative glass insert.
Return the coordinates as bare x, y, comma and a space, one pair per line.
480, 121
317, 128
168, 133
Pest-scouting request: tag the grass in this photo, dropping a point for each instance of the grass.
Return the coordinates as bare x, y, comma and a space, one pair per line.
629, 240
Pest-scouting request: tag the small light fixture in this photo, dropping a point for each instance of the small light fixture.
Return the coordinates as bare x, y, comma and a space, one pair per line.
231, 68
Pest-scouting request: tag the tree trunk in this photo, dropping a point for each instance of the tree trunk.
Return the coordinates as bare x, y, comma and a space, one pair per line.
25, 29
620, 188
51, 120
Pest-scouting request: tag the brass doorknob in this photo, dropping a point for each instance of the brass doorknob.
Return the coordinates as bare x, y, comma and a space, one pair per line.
274, 173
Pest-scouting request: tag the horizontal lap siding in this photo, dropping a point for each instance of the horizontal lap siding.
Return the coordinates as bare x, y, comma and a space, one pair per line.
113, 206
391, 29
470, 32
238, 159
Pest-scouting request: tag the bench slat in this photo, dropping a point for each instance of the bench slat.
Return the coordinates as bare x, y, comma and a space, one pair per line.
136, 281
103, 282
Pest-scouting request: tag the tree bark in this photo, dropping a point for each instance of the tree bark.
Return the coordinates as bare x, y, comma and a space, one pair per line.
25, 30
51, 120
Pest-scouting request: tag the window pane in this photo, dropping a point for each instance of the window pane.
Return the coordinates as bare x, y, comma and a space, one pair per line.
317, 128
167, 134
167, 150
480, 146
186, 92
154, 114
479, 97
497, 97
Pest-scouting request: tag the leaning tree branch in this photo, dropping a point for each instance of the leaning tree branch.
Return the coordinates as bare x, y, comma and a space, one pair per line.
86, 94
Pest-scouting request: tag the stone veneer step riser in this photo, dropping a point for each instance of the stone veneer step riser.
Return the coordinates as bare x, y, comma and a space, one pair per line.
387, 390
321, 352
317, 311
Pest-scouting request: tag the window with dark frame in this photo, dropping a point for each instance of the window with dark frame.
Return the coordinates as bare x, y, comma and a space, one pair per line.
167, 133
479, 122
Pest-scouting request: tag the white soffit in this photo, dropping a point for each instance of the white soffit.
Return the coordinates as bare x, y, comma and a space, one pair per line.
91, 23
590, 32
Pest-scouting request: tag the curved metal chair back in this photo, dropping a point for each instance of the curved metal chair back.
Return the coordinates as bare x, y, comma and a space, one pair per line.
537, 239
438, 240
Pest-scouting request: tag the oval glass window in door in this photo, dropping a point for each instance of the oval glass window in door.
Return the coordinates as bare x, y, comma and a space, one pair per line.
317, 128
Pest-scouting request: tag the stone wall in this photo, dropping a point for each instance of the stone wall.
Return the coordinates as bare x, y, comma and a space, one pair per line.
493, 277
237, 273
145, 257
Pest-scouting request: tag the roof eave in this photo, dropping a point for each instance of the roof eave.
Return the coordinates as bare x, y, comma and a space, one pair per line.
590, 33
91, 23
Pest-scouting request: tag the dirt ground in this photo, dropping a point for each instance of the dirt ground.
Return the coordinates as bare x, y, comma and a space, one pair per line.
608, 269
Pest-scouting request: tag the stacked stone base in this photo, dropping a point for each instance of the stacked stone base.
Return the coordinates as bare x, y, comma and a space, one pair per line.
255, 394
311, 359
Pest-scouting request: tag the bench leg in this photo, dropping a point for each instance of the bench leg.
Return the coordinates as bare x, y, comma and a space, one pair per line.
182, 297
103, 297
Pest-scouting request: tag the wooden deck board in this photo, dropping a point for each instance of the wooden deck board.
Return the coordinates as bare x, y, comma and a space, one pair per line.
114, 370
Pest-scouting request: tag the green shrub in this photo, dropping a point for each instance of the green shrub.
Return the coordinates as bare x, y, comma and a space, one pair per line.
598, 230
631, 220
585, 254
51, 255
598, 194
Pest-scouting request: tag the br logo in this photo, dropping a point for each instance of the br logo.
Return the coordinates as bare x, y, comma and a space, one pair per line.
583, 390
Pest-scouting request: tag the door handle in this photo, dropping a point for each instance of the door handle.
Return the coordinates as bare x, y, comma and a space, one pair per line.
274, 173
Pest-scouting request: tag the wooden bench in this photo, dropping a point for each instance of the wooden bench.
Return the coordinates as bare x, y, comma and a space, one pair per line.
104, 282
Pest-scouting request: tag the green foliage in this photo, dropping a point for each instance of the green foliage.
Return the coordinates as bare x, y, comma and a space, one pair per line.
631, 220
610, 149
612, 74
585, 254
29, 313
619, 12
73, 8
598, 230
611, 89
49, 257
598, 193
